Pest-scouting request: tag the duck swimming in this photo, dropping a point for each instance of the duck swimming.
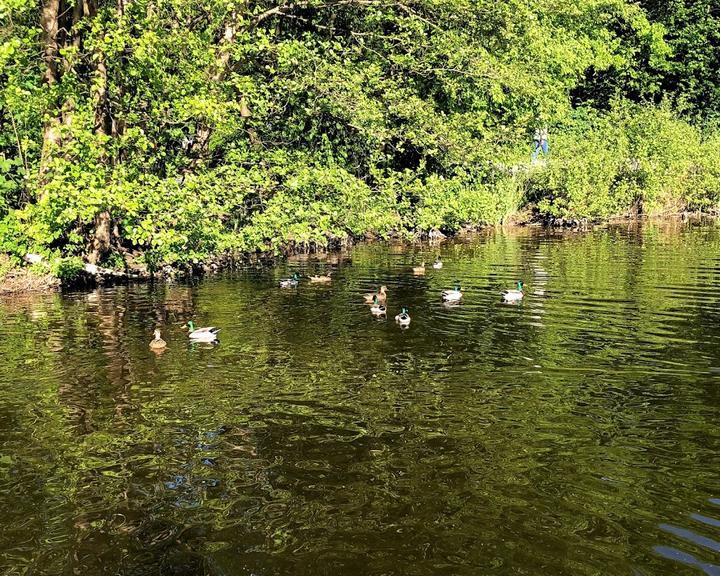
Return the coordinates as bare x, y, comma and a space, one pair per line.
438, 263
514, 295
452, 295
378, 309
419, 269
321, 278
381, 295
207, 334
157, 343
403, 318
291, 282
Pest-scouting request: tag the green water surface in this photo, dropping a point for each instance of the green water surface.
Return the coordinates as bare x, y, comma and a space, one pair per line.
576, 433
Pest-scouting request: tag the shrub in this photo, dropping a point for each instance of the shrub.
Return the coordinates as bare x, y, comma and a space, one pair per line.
632, 160
67, 269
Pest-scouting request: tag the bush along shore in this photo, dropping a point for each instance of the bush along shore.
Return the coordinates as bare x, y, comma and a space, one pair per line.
145, 137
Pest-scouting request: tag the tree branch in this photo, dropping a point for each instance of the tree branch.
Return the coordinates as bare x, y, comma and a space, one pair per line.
414, 14
285, 8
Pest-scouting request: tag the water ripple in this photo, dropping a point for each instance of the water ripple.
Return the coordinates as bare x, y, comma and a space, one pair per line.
571, 433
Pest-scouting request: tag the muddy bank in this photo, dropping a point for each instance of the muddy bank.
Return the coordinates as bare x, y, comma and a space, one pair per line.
22, 280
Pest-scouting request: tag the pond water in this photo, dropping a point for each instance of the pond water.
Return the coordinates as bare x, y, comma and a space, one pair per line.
575, 433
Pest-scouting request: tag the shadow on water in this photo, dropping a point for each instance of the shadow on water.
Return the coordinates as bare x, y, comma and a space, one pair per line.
568, 434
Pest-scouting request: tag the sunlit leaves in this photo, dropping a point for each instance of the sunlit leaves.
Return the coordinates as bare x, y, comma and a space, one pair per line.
229, 125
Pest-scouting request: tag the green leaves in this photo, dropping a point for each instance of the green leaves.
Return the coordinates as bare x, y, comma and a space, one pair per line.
633, 160
219, 125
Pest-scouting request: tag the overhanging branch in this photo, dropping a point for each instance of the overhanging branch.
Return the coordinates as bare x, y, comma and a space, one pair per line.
287, 8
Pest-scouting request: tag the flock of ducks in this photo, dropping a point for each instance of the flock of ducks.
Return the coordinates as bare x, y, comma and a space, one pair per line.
377, 301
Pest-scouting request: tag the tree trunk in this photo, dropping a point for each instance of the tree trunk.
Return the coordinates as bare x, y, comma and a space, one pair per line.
49, 24
102, 233
221, 66
77, 16
101, 237
217, 73
219, 70
60, 26
99, 83
51, 130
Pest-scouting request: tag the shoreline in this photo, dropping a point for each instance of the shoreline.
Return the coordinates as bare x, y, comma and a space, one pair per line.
25, 280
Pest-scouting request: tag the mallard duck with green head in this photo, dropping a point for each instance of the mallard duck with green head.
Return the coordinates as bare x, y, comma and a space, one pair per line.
514, 295
207, 334
403, 318
378, 309
454, 295
291, 282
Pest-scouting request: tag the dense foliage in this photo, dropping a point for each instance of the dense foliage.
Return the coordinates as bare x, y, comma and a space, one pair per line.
172, 130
